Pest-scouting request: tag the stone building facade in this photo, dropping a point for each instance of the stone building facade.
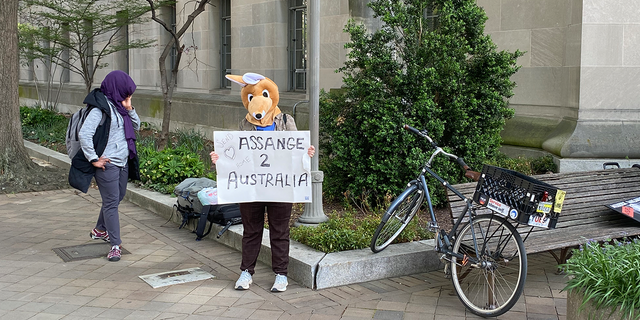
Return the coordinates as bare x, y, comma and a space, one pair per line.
576, 95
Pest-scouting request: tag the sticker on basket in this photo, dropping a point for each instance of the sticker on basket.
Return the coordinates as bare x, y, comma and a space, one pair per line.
559, 200
628, 211
482, 200
539, 221
513, 214
544, 207
498, 207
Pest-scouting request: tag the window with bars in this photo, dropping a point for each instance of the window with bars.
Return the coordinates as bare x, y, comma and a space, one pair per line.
225, 43
298, 45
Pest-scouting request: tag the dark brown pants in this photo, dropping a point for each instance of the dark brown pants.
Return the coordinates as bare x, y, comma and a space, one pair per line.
253, 222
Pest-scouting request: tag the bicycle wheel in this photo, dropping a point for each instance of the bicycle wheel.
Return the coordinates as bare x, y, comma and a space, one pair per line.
397, 218
493, 285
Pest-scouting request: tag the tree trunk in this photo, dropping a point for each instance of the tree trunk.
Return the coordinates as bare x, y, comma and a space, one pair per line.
167, 81
166, 120
14, 160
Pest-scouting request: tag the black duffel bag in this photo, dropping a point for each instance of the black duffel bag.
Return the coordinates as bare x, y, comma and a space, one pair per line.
225, 215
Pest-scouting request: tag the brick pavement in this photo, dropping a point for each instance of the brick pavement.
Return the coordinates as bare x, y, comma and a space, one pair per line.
36, 284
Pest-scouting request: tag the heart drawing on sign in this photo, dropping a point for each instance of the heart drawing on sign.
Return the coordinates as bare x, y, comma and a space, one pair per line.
230, 153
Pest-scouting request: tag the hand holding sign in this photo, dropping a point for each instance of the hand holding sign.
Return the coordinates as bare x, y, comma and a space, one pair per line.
272, 166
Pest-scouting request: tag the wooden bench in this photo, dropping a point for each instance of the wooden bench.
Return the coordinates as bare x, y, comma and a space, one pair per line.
584, 215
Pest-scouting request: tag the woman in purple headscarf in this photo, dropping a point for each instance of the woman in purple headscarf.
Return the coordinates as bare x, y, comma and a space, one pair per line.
108, 153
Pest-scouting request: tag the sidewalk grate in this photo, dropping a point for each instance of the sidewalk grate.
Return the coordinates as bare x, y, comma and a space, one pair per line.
85, 251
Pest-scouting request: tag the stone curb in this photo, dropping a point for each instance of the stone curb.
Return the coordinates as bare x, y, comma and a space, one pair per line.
307, 266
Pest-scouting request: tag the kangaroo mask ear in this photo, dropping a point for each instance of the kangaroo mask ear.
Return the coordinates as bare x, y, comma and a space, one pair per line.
252, 78
247, 78
236, 79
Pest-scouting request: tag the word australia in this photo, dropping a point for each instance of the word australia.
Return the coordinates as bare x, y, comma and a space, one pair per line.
277, 180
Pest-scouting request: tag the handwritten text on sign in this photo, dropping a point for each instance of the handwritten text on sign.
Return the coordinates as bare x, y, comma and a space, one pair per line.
270, 166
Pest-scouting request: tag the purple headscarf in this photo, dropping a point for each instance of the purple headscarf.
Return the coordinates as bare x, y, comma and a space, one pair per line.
117, 86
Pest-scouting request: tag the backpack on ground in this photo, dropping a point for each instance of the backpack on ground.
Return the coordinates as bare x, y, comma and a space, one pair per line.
73, 129
225, 215
191, 207
187, 202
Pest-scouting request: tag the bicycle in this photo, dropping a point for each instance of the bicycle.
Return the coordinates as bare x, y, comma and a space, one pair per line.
486, 258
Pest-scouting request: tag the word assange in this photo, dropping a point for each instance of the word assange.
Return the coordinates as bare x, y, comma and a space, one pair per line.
257, 143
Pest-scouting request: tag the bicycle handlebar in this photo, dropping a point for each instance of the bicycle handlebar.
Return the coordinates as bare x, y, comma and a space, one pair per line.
422, 133
473, 175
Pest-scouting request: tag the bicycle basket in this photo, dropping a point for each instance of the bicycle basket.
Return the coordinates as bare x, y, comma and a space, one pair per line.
518, 196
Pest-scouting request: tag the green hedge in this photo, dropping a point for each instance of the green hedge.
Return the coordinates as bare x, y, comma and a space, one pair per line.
347, 231
430, 66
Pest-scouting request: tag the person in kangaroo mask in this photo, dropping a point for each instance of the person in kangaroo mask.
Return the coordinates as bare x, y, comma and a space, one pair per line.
260, 97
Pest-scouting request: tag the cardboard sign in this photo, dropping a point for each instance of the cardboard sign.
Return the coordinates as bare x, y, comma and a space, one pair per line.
270, 166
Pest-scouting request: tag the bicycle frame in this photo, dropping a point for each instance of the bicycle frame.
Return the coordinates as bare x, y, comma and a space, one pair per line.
443, 239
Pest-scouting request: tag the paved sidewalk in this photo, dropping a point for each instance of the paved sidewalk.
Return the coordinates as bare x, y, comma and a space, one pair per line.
36, 284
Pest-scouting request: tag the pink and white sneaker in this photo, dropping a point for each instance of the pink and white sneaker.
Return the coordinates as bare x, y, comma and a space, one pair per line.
95, 234
114, 254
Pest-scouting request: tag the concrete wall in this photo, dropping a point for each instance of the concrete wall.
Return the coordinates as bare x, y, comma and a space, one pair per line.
205, 112
259, 43
576, 94
548, 32
609, 120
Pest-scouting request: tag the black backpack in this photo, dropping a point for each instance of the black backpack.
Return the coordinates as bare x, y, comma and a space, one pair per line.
188, 204
223, 214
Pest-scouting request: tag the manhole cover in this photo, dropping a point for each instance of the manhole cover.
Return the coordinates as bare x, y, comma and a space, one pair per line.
85, 251
158, 280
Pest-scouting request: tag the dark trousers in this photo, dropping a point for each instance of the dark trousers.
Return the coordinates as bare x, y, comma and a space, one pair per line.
112, 183
253, 222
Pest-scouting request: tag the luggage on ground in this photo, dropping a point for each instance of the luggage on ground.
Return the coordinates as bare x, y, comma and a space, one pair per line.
197, 199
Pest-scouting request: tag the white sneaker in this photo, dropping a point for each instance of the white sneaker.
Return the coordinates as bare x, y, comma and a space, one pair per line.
280, 284
244, 281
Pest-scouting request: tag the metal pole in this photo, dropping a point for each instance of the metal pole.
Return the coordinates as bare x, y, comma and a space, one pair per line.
313, 212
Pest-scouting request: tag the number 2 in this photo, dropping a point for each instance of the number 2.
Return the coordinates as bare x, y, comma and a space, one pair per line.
264, 162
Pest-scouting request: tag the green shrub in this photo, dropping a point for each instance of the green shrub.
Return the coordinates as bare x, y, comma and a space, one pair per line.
543, 165
429, 66
190, 139
607, 274
528, 166
347, 232
43, 125
163, 170
31, 116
